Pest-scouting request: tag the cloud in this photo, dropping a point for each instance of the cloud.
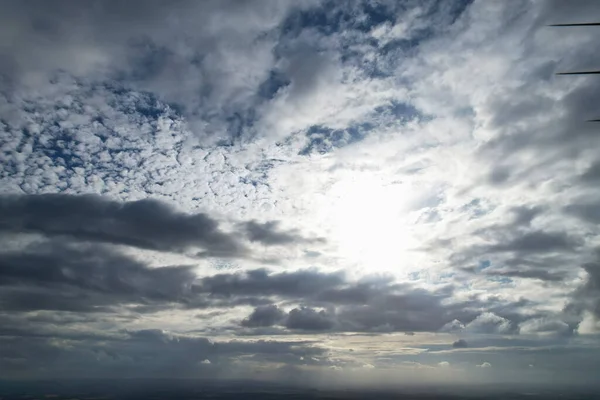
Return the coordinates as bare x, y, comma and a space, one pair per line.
308, 319
589, 325
152, 48
56, 276
144, 353
523, 215
587, 212
261, 282
148, 224
484, 365
592, 174
268, 234
519, 251
537, 241
263, 316
530, 274
489, 323
585, 300
394, 308
546, 326
453, 326
449, 178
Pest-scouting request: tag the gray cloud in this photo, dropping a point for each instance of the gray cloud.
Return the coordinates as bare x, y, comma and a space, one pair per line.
525, 215
547, 325
588, 212
592, 174
181, 51
261, 282
490, 323
460, 344
537, 241
308, 319
530, 274
392, 308
263, 316
141, 353
146, 223
95, 278
587, 296
519, 251
229, 107
53, 275
268, 234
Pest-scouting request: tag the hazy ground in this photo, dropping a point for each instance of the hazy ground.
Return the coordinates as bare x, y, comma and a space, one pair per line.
189, 389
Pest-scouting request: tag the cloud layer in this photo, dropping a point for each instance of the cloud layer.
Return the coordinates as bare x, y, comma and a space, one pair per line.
315, 191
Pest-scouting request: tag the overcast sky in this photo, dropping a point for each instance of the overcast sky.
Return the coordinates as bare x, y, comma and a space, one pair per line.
372, 191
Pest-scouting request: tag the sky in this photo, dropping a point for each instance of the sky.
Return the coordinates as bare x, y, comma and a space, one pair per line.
353, 192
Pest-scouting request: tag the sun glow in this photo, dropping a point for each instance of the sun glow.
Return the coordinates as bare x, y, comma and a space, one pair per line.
372, 222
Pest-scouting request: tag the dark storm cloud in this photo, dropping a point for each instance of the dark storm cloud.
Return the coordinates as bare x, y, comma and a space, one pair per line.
536, 241
32, 299
368, 305
97, 278
523, 215
308, 319
411, 310
460, 344
56, 276
267, 233
389, 308
499, 175
297, 284
264, 316
546, 267
147, 223
91, 267
587, 212
592, 174
359, 293
56, 324
530, 273
519, 251
91, 280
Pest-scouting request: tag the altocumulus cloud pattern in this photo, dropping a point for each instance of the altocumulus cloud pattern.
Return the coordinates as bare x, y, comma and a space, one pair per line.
364, 192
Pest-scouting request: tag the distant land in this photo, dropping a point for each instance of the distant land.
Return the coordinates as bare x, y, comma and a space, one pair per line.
127, 389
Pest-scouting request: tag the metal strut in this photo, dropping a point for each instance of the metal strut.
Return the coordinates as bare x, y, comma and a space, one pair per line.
581, 72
